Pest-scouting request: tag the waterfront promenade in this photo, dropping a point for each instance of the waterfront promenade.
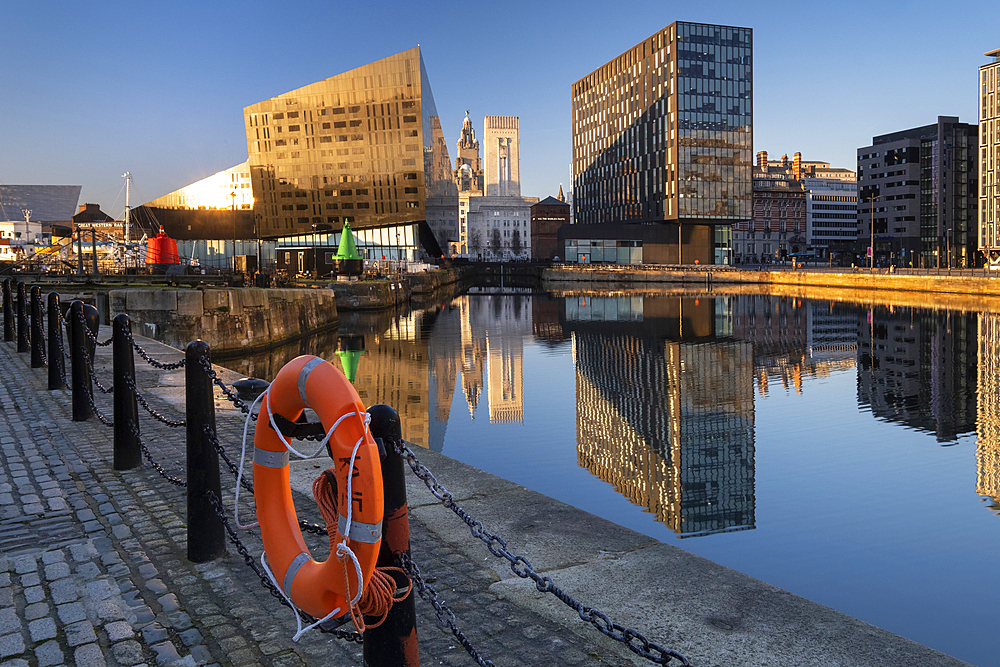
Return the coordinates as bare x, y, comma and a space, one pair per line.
94, 570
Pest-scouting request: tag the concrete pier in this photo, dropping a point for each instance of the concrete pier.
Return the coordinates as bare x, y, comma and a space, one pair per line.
93, 566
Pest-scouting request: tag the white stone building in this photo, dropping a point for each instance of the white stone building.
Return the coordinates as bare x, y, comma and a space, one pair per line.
496, 228
502, 168
831, 213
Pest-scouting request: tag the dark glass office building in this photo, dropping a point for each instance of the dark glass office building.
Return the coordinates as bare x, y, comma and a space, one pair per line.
662, 148
364, 147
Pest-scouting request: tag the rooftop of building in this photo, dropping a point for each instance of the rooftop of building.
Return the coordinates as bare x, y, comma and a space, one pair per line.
551, 201
917, 132
995, 54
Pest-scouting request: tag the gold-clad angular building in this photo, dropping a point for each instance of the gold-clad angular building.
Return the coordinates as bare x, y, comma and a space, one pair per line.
364, 147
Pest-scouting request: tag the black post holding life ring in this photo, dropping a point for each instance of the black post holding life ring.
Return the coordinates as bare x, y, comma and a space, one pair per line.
23, 342
394, 642
206, 533
8, 312
127, 452
57, 365
37, 339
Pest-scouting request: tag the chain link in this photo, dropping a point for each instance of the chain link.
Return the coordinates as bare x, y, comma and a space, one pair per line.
156, 415
176, 481
244, 482
149, 360
265, 581
229, 393
90, 360
39, 330
90, 334
100, 415
521, 566
445, 616
65, 356
248, 485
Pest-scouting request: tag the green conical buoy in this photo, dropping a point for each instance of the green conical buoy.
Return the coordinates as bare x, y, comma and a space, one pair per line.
347, 249
349, 360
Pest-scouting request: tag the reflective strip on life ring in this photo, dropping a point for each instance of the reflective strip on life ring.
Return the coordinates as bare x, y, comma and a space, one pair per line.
317, 587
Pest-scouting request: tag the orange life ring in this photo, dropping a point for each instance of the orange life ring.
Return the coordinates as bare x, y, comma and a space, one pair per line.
318, 588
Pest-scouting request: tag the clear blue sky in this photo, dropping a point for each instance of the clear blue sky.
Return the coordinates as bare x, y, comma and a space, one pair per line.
91, 89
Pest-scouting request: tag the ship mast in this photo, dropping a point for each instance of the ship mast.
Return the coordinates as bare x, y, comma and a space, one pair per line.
128, 180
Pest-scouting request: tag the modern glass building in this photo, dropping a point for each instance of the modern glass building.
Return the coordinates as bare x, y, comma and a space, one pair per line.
989, 158
662, 147
364, 147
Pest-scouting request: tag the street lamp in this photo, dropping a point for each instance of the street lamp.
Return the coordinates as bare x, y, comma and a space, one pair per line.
233, 195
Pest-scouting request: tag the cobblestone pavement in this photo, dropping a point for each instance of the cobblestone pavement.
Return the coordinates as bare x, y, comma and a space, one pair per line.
93, 561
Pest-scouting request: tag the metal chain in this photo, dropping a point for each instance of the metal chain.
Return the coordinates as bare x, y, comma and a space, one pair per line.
149, 360
229, 393
176, 481
248, 485
264, 579
90, 360
39, 330
93, 406
93, 374
62, 366
521, 566
156, 415
244, 482
445, 616
90, 334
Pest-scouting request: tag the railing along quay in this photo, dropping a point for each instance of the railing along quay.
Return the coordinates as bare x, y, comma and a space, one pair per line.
209, 524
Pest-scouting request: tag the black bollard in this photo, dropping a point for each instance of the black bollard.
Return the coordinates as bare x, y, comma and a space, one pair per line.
23, 343
8, 313
57, 365
127, 452
206, 534
81, 348
394, 643
37, 340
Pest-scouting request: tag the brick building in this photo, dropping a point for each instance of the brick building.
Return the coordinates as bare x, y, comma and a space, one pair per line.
547, 216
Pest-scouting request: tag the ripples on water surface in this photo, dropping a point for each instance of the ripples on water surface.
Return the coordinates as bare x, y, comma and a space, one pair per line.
849, 454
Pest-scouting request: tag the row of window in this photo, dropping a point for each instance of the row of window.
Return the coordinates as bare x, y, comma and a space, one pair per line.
833, 198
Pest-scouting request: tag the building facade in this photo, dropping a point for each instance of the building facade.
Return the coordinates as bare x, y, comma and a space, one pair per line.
498, 228
916, 196
468, 173
495, 226
364, 147
989, 158
779, 210
663, 134
40, 203
832, 217
502, 140
547, 216
800, 208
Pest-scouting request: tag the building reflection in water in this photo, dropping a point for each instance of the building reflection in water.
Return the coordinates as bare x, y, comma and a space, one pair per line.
665, 407
917, 367
794, 339
988, 409
665, 384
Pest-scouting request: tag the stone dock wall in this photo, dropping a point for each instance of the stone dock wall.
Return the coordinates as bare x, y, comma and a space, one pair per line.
966, 292
227, 319
959, 283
